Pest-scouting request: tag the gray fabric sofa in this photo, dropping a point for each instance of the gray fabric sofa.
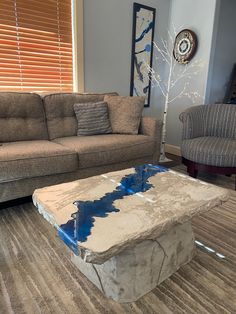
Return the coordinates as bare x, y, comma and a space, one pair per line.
209, 139
39, 146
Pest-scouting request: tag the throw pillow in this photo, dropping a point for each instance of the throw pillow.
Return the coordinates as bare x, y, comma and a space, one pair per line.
92, 118
125, 113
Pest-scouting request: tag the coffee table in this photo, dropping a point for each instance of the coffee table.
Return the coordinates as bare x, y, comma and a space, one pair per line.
128, 230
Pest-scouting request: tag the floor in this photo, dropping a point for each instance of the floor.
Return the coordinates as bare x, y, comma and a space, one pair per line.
37, 276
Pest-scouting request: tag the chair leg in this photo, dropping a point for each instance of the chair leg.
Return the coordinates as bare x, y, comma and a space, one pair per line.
192, 171
193, 167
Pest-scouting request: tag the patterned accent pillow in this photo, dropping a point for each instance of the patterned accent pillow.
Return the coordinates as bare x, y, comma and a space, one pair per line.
125, 113
92, 118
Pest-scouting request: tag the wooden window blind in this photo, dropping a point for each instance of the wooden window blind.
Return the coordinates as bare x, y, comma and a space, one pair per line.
36, 45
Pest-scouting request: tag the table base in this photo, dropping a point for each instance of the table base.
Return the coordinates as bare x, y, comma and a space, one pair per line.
139, 269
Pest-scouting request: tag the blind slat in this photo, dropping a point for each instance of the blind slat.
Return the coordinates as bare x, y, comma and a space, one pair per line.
39, 30
30, 83
32, 54
29, 63
29, 35
36, 45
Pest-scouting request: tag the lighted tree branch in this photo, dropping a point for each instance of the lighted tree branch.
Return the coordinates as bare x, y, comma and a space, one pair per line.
175, 83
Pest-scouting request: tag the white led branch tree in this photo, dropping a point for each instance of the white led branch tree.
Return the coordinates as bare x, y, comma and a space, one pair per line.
175, 83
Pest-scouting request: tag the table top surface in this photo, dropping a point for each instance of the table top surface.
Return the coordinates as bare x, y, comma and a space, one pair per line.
100, 216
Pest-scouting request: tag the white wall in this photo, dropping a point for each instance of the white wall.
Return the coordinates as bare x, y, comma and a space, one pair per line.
199, 16
107, 41
224, 52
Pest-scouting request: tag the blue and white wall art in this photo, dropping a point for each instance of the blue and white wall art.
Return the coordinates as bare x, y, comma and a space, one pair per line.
142, 50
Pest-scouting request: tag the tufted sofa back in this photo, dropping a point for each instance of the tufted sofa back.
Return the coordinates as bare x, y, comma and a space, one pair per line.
61, 119
22, 117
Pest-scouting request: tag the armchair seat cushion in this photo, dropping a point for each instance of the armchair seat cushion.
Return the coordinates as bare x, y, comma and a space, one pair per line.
99, 150
28, 159
209, 150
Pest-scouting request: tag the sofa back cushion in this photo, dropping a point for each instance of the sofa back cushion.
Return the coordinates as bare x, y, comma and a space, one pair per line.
21, 117
60, 115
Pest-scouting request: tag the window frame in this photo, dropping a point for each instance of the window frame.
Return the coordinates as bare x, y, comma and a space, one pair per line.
78, 44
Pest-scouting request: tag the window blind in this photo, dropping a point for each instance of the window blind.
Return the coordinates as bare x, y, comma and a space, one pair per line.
36, 45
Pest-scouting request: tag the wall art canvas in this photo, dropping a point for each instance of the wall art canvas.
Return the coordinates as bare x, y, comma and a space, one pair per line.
142, 50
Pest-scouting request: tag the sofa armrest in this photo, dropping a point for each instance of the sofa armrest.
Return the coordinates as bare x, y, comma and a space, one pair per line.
193, 122
153, 128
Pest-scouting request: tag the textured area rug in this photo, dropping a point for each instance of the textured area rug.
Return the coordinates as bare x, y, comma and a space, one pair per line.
37, 276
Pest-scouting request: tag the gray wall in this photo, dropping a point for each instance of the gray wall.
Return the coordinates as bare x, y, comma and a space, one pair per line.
107, 40
224, 52
199, 16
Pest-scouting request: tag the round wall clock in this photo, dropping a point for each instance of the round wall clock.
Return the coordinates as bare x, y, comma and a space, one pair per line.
185, 46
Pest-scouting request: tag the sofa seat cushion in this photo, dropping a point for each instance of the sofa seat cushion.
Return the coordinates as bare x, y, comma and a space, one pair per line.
27, 159
213, 151
106, 149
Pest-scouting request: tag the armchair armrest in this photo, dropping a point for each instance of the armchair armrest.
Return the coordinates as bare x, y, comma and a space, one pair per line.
193, 122
153, 128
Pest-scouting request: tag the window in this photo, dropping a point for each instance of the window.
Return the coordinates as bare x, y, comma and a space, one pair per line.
36, 45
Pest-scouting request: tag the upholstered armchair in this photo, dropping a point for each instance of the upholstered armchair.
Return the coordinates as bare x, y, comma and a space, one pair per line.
209, 139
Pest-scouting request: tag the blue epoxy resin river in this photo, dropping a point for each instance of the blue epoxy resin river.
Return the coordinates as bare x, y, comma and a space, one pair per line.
79, 227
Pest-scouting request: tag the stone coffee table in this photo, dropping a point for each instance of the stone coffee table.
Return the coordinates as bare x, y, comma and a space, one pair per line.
128, 230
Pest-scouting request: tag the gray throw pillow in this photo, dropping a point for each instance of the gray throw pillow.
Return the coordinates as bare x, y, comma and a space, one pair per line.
92, 118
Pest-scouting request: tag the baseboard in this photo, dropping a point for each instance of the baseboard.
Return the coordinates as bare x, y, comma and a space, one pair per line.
171, 149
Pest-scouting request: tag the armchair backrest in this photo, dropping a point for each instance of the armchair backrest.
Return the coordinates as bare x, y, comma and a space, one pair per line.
220, 120
209, 120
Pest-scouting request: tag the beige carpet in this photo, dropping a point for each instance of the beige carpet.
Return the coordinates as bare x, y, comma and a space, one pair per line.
36, 275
